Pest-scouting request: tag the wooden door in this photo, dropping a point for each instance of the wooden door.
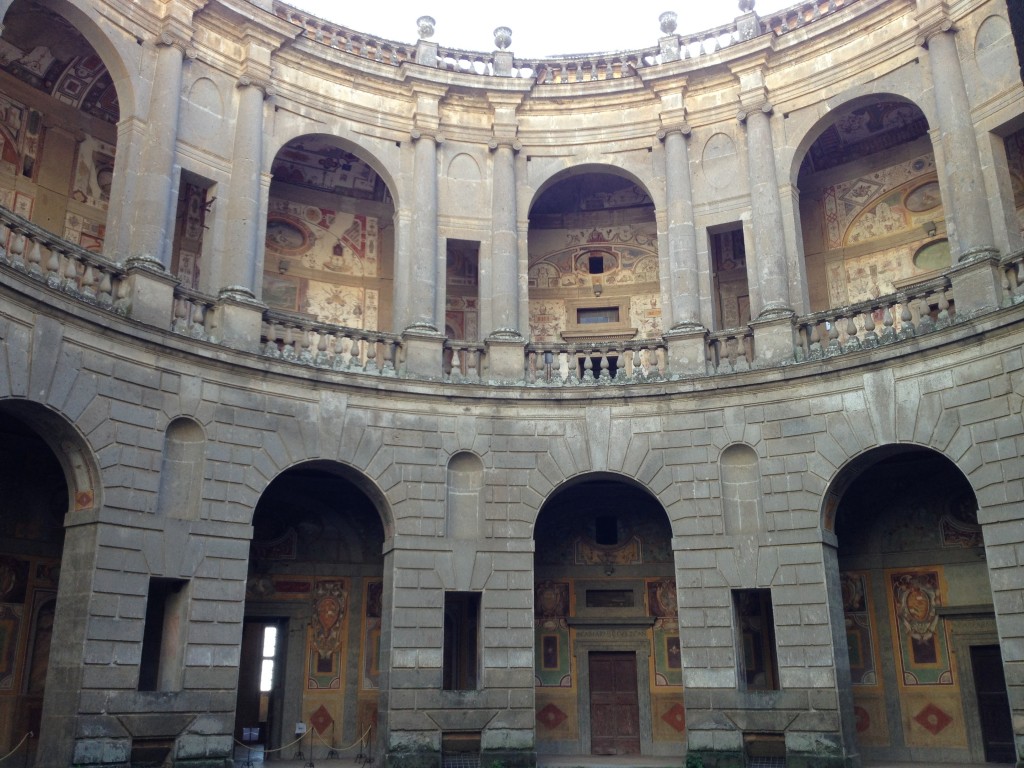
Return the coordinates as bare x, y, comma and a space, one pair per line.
614, 706
993, 704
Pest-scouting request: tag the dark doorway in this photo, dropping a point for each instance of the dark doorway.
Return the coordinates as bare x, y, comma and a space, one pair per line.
258, 675
993, 704
614, 707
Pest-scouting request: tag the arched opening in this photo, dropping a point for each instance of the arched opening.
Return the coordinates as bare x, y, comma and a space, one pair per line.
36, 495
923, 653
330, 238
593, 262
59, 111
870, 203
311, 639
608, 673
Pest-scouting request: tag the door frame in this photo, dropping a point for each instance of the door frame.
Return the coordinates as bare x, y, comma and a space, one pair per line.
614, 638
971, 626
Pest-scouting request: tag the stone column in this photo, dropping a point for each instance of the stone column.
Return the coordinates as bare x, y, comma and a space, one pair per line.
976, 283
153, 204
773, 328
685, 338
422, 339
505, 342
239, 315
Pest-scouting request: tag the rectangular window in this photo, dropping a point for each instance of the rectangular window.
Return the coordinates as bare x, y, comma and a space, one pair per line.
163, 640
757, 655
592, 315
461, 641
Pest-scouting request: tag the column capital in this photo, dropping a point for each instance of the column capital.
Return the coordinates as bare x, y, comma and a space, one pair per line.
260, 84
682, 128
504, 141
174, 38
938, 25
416, 134
765, 107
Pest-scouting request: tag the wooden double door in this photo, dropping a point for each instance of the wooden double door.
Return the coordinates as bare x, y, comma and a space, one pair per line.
614, 704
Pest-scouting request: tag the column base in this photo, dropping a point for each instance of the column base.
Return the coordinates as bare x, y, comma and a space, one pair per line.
423, 346
773, 339
238, 319
977, 283
150, 297
687, 350
506, 360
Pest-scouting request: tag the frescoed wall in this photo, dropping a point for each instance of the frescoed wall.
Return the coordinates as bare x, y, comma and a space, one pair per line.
912, 557
578, 580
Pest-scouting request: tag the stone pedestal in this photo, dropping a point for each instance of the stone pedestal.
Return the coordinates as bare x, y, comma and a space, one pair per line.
773, 339
424, 352
150, 297
505, 356
238, 319
687, 351
977, 283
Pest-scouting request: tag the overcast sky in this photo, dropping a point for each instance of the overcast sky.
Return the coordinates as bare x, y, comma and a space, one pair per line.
539, 27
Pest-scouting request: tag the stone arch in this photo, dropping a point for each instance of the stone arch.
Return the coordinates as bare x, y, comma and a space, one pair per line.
604, 566
557, 175
464, 496
892, 89
181, 469
741, 489
906, 569
85, 490
345, 140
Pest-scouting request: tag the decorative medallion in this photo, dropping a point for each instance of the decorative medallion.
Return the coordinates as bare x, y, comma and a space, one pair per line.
551, 717
933, 719
328, 611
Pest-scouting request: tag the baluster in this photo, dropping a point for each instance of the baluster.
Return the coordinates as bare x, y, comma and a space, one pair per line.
52, 268
605, 374
106, 291
322, 359
198, 328
816, 352
588, 368
636, 371
888, 329
70, 281
89, 282
178, 313
338, 363
16, 251
472, 364
711, 356
906, 322
925, 324
371, 355
742, 361
833, 348
122, 302
852, 342
35, 258
944, 318
870, 337
388, 368
288, 342
5, 233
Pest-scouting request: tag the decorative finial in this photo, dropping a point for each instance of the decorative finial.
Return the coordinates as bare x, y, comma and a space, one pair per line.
426, 27
668, 22
502, 38
747, 6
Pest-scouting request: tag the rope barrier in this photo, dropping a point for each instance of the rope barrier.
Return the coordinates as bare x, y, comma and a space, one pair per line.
361, 741
24, 738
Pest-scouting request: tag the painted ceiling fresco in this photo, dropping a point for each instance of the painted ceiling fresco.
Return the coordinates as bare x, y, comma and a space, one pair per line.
590, 192
864, 131
42, 49
318, 162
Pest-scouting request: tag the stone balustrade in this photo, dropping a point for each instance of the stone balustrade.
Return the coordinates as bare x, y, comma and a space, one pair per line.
303, 340
60, 264
915, 310
562, 69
